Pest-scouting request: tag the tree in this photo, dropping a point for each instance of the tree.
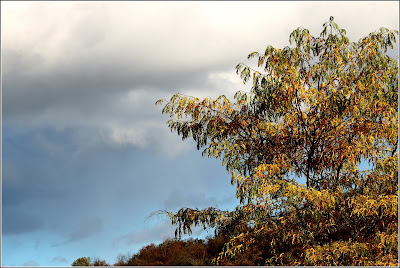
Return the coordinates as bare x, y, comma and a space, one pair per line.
99, 262
171, 253
83, 261
294, 144
122, 260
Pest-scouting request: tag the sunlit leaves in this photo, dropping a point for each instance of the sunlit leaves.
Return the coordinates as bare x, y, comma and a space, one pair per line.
319, 109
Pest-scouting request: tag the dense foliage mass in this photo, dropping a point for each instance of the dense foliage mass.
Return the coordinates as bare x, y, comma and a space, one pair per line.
316, 111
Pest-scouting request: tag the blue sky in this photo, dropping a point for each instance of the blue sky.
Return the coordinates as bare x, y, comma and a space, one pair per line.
86, 155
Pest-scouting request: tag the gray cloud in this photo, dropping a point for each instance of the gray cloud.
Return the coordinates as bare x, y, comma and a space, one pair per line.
20, 222
14, 196
31, 263
177, 199
64, 182
83, 229
154, 234
59, 259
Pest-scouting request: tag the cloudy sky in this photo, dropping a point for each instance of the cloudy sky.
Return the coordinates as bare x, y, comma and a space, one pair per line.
86, 155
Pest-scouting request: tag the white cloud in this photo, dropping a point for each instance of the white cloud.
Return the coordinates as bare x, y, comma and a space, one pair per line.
128, 136
168, 36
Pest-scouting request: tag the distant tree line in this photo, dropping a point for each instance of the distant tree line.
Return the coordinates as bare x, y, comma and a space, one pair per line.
86, 261
173, 252
190, 252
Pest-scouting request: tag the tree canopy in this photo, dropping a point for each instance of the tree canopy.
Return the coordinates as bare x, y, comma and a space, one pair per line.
83, 261
86, 261
317, 111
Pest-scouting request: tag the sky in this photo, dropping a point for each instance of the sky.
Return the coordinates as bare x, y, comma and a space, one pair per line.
86, 155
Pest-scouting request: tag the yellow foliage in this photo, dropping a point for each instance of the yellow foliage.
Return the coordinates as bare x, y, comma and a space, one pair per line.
293, 146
